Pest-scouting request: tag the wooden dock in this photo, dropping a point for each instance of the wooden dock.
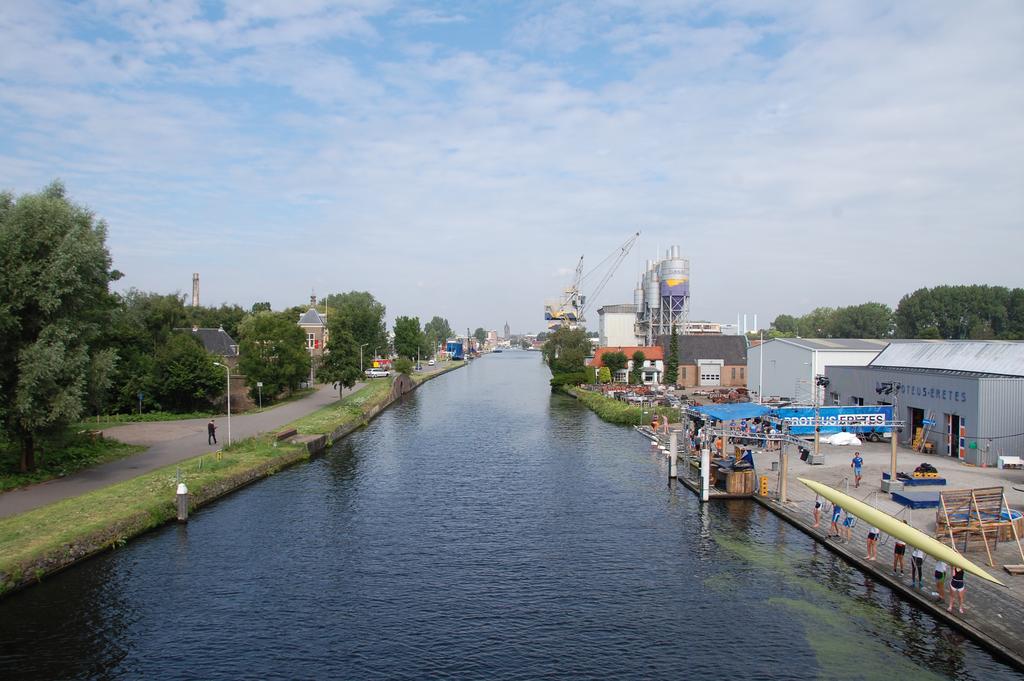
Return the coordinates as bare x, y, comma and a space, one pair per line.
994, 614
688, 468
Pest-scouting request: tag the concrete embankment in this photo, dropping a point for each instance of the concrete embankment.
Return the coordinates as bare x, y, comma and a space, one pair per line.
44, 541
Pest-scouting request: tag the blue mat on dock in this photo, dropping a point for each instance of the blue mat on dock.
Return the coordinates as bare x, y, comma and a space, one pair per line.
916, 482
917, 499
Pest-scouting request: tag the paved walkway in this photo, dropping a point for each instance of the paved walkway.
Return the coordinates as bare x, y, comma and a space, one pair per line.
169, 442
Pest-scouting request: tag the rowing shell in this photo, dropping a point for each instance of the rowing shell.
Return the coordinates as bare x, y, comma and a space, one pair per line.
896, 528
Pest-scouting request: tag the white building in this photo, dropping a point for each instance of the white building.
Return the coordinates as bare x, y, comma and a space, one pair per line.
617, 326
790, 364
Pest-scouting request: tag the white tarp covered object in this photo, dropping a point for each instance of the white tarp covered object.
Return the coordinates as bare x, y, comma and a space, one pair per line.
841, 439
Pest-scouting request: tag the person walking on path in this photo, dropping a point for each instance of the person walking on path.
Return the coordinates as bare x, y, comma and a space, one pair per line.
956, 589
917, 568
211, 433
873, 534
817, 511
940, 580
856, 465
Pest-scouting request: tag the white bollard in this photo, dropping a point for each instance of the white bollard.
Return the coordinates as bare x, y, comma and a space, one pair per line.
182, 499
673, 455
705, 473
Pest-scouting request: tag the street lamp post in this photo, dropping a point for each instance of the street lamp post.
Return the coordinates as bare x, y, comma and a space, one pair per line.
226, 367
361, 357
892, 388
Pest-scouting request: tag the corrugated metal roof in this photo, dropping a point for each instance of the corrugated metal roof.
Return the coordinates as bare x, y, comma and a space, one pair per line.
865, 344
1003, 358
622, 308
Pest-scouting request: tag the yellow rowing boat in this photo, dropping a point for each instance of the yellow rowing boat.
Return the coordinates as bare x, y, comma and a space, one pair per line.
897, 528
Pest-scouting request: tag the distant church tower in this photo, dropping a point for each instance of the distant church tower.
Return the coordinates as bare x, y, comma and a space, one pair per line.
195, 289
508, 331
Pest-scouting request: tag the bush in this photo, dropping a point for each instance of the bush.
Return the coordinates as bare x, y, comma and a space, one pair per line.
403, 365
617, 411
573, 378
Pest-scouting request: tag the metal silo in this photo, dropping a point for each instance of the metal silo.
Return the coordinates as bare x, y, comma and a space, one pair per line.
652, 291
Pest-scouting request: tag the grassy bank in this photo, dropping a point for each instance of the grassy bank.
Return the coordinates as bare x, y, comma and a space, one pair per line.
105, 421
350, 409
617, 411
40, 541
47, 539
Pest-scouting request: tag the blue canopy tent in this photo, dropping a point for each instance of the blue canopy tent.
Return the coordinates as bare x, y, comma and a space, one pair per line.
732, 412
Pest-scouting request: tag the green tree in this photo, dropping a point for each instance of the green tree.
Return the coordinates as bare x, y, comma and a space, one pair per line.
961, 312
816, 324
480, 334
341, 360
263, 306
604, 375
185, 378
436, 332
785, 323
672, 361
227, 317
636, 376
868, 320
359, 313
566, 350
272, 351
615, 361
54, 301
409, 339
403, 365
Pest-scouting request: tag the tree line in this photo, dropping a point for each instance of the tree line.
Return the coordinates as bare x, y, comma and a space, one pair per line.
965, 312
70, 347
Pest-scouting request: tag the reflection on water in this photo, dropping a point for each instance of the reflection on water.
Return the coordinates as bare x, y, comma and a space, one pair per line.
483, 528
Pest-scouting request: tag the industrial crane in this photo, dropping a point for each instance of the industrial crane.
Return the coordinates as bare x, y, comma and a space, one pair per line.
570, 309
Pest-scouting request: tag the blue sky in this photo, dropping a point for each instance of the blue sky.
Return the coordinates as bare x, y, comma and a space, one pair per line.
457, 158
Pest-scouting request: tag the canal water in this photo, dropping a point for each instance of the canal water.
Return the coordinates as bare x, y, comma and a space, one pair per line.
485, 529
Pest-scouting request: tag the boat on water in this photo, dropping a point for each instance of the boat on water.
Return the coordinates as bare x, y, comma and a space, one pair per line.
497, 350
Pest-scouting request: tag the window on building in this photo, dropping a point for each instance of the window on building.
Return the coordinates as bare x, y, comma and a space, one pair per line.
743, 371
835, 398
857, 401
734, 373
310, 340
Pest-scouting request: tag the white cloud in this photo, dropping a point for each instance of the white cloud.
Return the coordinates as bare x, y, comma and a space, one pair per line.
829, 154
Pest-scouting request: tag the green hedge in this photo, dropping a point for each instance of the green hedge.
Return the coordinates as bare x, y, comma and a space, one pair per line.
617, 411
574, 378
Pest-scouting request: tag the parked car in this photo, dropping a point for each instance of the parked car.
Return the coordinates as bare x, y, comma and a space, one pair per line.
375, 372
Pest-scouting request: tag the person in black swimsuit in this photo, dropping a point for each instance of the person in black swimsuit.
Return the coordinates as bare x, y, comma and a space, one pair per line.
956, 589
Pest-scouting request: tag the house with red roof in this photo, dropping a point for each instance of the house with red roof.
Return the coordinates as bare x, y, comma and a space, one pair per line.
652, 370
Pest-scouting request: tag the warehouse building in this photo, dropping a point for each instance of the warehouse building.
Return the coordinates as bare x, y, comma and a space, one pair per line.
963, 399
709, 361
617, 326
790, 364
